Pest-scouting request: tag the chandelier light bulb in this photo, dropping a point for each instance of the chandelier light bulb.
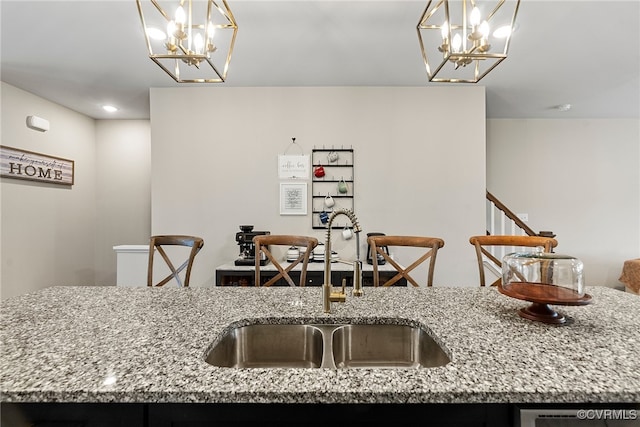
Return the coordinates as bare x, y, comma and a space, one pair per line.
180, 16
444, 30
484, 29
171, 37
198, 43
474, 19
456, 43
171, 29
211, 30
483, 44
179, 21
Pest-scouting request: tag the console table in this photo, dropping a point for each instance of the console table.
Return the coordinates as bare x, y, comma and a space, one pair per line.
244, 275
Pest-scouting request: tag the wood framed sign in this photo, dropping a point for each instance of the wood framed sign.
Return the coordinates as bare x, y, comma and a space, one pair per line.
22, 164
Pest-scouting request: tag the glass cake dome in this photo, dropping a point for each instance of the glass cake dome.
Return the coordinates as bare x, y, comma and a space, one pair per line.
561, 272
544, 278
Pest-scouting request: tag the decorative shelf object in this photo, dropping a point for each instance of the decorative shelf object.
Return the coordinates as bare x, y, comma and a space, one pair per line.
333, 179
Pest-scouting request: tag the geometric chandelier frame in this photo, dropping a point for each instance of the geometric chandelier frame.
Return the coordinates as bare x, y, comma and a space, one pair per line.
463, 40
191, 40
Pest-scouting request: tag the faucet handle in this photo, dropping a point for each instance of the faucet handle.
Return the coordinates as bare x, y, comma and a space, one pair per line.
339, 296
357, 279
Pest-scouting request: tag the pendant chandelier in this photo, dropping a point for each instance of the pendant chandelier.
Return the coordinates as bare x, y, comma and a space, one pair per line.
463, 40
192, 41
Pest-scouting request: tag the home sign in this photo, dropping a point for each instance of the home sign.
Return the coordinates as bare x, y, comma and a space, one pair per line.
22, 164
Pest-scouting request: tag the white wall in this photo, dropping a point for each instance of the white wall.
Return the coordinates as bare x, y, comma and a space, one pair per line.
123, 196
419, 164
48, 230
578, 178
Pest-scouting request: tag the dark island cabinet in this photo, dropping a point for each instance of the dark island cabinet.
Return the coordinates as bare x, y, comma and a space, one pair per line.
303, 414
73, 414
262, 415
333, 415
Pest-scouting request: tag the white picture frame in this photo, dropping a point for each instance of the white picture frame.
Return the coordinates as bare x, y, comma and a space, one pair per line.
293, 198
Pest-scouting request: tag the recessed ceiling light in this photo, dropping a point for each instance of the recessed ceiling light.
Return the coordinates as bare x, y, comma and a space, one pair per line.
562, 107
109, 108
156, 34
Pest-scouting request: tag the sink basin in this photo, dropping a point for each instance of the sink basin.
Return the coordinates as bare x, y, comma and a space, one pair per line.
326, 346
269, 346
385, 346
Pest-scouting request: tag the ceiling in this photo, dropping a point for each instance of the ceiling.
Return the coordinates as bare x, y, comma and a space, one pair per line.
84, 54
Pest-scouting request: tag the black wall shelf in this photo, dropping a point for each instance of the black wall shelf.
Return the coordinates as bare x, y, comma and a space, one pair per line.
338, 167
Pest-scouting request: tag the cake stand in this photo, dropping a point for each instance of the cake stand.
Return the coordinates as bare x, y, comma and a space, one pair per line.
541, 295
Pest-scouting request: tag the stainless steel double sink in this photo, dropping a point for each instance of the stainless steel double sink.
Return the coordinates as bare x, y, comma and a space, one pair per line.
333, 346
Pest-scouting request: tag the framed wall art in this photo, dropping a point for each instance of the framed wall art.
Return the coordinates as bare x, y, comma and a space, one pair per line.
28, 165
293, 198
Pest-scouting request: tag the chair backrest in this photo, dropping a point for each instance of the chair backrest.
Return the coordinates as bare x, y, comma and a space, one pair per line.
262, 244
378, 244
482, 242
156, 244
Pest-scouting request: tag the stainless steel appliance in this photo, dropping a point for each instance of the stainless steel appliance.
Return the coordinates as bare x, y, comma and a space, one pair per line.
581, 416
244, 238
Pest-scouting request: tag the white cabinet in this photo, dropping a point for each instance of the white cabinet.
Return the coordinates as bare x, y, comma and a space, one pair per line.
132, 261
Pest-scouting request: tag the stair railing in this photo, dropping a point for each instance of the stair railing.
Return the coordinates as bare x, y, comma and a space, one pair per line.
502, 221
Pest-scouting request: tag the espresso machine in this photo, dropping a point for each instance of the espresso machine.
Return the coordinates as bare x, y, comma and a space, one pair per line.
381, 259
244, 238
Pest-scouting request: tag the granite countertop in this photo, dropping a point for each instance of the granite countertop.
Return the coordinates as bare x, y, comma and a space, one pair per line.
114, 344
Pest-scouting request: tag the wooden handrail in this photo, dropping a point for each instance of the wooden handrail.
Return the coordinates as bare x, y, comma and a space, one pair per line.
513, 217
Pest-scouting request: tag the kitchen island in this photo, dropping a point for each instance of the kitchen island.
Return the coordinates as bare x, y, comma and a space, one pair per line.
144, 349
